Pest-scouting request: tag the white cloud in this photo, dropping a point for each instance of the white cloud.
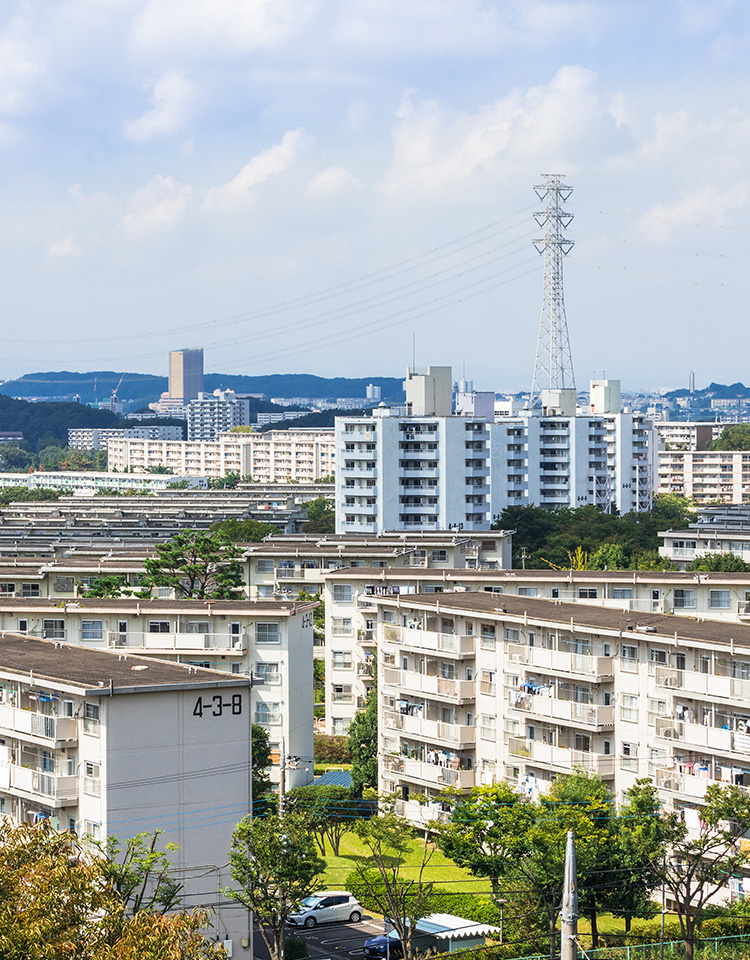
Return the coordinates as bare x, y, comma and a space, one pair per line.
552, 123
170, 103
63, 248
159, 205
704, 206
332, 182
269, 163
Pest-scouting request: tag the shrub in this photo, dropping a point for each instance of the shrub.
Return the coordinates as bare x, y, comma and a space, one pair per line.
331, 749
295, 948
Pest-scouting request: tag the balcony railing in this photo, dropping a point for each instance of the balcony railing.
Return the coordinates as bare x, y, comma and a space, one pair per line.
37, 724
189, 642
43, 783
428, 639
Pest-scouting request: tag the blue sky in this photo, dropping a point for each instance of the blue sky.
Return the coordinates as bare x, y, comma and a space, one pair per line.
308, 185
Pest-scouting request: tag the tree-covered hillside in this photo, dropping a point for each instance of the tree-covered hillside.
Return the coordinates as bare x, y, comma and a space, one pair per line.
43, 424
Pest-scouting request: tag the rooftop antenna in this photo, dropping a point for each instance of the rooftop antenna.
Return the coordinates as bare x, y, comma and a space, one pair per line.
413, 350
553, 367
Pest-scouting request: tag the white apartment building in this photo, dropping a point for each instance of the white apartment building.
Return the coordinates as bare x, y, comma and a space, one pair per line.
88, 482
272, 641
720, 529
111, 744
415, 467
278, 456
687, 434
95, 438
474, 688
214, 413
707, 476
560, 457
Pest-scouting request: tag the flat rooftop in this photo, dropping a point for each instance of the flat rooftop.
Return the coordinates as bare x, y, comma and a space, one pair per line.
97, 672
152, 606
554, 577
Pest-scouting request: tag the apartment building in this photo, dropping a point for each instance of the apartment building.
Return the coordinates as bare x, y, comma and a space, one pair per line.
563, 457
720, 529
687, 434
272, 641
707, 476
88, 482
113, 744
95, 438
211, 414
416, 467
185, 374
351, 610
279, 456
474, 689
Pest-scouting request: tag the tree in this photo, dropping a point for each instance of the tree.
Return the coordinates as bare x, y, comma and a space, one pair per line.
261, 753
720, 562
13, 459
319, 614
609, 556
243, 531
275, 864
703, 856
114, 585
363, 745
735, 437
196, 565
321, 516
330, 809
403, 902
140, 874
58, 900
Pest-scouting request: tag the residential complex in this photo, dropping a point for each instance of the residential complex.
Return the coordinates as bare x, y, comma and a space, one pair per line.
278, 456
87, 482
210, 414
96, 438
706, 475
687, 434
720, 529
113, 744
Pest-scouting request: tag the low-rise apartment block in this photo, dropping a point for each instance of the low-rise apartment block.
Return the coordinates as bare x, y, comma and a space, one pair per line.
272, 641
113, 744
95, 438
475, 688
88, 482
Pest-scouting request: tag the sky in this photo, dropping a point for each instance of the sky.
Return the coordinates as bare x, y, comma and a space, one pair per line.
341, 187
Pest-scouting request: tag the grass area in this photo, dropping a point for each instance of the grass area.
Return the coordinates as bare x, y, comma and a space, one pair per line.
321, 767
440, 870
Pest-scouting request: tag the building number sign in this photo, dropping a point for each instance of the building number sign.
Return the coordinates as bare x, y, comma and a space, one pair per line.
216, 706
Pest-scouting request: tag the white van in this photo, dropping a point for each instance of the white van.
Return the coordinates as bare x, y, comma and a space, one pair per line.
329, 906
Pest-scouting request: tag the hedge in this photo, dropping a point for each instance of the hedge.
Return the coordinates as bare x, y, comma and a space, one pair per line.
331, 749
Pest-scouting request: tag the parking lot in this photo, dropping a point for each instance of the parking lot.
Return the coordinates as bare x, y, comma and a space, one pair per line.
330, 940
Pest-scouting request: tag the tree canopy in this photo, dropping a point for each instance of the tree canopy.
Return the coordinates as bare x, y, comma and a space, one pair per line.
321, 516
243, 531
734, 437
363, 745
261, 753
196, 565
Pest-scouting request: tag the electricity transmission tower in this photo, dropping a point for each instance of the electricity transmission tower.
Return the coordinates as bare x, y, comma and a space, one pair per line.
553, 367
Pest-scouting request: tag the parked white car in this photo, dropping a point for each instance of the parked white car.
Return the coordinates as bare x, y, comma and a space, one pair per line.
329, 906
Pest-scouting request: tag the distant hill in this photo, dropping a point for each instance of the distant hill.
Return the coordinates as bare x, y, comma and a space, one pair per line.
715, 391
47, 423
142, 388
326, 418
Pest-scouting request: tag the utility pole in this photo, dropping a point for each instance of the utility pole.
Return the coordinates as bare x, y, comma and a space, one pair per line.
553, 367
569, 913
282, 779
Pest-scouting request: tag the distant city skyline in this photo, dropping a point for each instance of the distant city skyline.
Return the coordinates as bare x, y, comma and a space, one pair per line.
322, 187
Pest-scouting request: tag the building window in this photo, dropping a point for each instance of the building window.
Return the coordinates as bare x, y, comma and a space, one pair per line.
267, 633
92, 630
265, 590
528, 591
264, 566
342, 626
6, 588
629, 708
91, 718
342, 693
267, 713
91, 783
657, 656
235, 668
341, 660
718, 599
340, 726
487, 640
30, 590
159, 626
197, 626
92, 829
63, 584
684, 599
439, 556
23, 625
488, 727
622, 593
267, 672
342, 592
588, 593
493, 590
53, 629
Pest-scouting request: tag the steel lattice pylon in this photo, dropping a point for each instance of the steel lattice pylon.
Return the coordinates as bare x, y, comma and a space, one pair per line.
553, 367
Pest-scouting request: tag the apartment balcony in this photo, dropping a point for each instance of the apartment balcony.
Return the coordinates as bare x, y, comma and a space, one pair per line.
366, 638
686, 785
586, 715
430, 731
559, 661
477, 472
428, 684
359, 471
50, 731
179, 642
563, 758
437, 776
420, 472
41, 786
414, 638
419, 508
421, 814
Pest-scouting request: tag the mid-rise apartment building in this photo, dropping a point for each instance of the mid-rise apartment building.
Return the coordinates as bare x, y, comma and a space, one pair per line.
687, 434
278, 456
475, 688
707, 476
272, 641
113, 744
211, 414
96, 438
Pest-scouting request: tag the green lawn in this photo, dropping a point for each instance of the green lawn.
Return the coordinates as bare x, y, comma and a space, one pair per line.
443, 872
321, 767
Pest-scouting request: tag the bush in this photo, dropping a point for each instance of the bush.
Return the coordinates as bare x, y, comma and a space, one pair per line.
295, 948
331, 749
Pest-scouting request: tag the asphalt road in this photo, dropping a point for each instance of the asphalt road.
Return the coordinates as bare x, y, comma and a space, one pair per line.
329, 940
